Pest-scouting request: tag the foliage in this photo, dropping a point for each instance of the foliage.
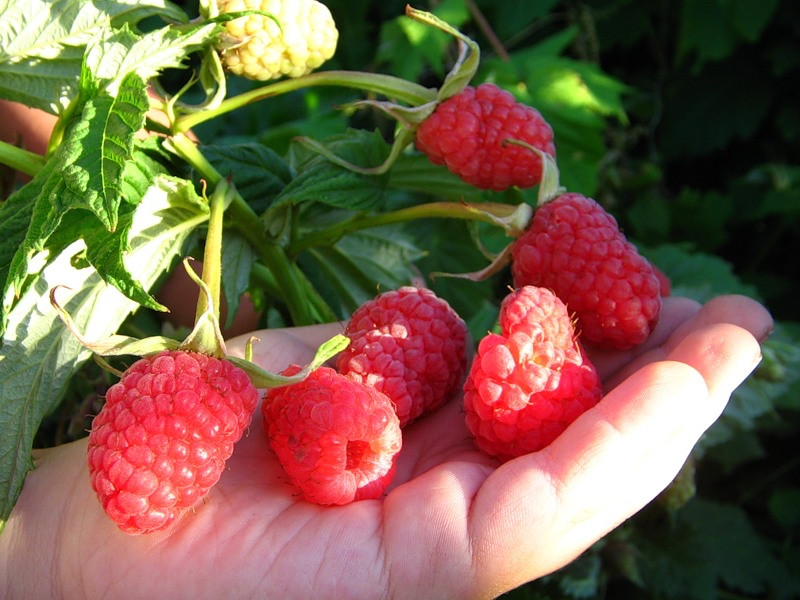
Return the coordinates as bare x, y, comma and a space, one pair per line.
679, 117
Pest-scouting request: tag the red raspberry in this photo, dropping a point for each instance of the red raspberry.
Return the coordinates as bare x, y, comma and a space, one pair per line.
336, 439
574, 247
468, 133
527, 385
408, 344
161, 440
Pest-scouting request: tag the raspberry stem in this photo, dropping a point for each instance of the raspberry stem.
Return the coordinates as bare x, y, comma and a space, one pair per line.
386, 85
513, 218
249, 226
20, 159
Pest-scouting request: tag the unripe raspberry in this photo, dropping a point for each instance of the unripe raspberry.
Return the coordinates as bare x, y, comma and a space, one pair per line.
261, 49
161, 440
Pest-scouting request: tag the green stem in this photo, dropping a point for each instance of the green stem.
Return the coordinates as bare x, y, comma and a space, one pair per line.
387, 85
488, 212
19, 159
212, 253
250, 227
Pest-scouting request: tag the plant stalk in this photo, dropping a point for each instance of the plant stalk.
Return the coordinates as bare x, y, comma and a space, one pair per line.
387, 85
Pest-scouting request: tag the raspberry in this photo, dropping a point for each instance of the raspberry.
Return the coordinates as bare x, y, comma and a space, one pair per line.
574, 247
408, 344
467, 133
336, 439
261, 49
161, 440
527, 385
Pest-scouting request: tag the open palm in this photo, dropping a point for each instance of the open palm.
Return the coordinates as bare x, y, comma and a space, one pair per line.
453, 524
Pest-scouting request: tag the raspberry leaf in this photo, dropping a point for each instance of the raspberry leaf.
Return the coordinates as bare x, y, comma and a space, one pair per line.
42, 43
40, 355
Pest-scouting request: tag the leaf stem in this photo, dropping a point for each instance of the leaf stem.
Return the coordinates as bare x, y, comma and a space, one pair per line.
212, 253
20, 159
387, 85
488, 212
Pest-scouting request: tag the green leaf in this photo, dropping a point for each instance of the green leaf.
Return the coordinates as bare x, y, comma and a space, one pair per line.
695, 274
42, 43
734, 549
114, 54
238, 258
99, 146
258, 172
711, 29
416, 173
39, 355
320, 181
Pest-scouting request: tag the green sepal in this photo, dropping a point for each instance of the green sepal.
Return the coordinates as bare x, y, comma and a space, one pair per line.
265, 379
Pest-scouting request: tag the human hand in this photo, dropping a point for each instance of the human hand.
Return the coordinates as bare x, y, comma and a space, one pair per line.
453, 524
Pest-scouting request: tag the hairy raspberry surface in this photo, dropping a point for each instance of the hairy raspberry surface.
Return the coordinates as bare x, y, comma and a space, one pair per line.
467, 133
161, 440
527, 385
304, 37
574, 247
336, 439
408, 344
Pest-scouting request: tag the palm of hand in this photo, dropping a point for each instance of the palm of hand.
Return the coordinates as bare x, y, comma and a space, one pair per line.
453, 523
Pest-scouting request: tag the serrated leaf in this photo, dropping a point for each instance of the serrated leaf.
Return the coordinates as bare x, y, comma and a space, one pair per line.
238, 258
416, 173
733, 548
39, 355
42, 43
84, 173
100, 145
258, 173
695, 274
320, 181
114, 54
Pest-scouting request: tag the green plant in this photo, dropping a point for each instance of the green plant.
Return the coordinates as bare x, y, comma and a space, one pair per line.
688, 138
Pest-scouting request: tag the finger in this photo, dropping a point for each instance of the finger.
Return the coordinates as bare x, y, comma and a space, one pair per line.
736, 310
542, 510
674, 312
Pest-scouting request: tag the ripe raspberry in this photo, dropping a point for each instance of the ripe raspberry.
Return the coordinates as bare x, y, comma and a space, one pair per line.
527, 385
574, 247
336, 439
262, 49
467, 133
408, 344
162, 438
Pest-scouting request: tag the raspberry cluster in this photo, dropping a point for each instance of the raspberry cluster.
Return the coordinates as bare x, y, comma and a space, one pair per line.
338, 432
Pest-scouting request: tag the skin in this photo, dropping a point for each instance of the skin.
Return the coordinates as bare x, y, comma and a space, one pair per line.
453, 525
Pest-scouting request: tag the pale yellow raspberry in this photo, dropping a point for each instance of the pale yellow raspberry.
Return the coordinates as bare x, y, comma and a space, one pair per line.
258, 48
